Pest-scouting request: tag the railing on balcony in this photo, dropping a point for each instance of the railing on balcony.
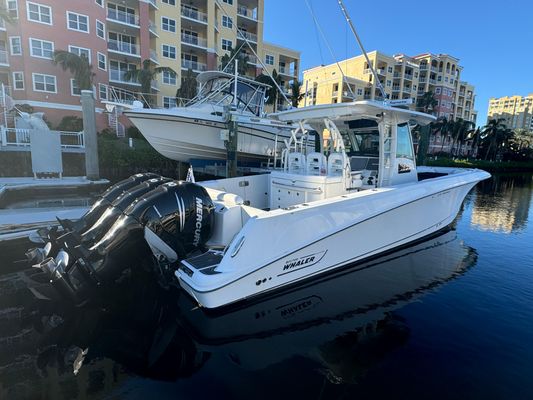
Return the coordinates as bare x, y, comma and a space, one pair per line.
123, 47
395, 88
422, 80
3, 57
408, 76
21, 138
194, 40
2, 24
152, 27
193, 14
250, 36
434, 69
252, 59
153, 2
423, 67
432, 81
194, 65
121, 16
286, 71
118, 76
246, 12
154, 56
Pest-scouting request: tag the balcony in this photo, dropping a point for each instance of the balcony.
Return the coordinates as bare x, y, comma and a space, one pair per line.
122, 17
395, 88
153, 56
122, 47
252, 37
408, 76
194, 15
4, 60
286, 71
194, 65
432, 81
193, 40
153, 3
434, 69
116, 75
247, 13
423, 67
423, 80
152, 28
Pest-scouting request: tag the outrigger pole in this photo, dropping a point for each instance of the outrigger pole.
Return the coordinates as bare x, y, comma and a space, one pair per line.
349, 20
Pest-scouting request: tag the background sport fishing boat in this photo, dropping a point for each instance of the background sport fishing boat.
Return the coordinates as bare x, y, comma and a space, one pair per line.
197, 130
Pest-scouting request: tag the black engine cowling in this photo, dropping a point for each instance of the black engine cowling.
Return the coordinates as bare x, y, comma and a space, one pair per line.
169, 222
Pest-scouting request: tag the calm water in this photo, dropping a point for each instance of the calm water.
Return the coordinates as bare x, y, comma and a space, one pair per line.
451, 317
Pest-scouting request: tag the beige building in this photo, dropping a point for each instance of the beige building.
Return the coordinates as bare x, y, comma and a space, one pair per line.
517, 111
401, 76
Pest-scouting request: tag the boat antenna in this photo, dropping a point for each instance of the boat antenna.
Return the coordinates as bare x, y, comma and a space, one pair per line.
319, 28
349, 21
265, 69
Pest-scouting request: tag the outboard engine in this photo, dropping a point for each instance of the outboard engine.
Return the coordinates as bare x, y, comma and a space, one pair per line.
57, 238
168, 222
117, 207
105, 201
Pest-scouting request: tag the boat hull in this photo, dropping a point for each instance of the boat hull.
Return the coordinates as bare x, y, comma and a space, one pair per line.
183, 138
389, 220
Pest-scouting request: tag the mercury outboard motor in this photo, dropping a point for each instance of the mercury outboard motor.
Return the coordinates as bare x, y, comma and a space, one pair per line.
168, 222
104, 201
117, 207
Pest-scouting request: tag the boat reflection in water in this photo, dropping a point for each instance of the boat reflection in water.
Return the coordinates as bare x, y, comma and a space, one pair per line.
343, 323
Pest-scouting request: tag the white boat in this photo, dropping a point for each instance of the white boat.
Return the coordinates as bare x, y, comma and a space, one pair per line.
199, 130
360, 196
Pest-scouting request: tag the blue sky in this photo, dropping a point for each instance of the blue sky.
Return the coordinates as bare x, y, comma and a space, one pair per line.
493, 39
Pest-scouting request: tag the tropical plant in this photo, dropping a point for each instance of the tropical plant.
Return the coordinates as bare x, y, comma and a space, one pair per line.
273, 92
441, 126
296, 93
71, 123
427, 101
229, 58
145, 76
491, 135
188, 88
460, 130
78, 66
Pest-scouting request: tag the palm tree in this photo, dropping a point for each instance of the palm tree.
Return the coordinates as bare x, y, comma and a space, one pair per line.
145, 76
273, 92
442, 125
460, 130
427, 101
78, 66
491, 133
229, 58
296, 93
188, 88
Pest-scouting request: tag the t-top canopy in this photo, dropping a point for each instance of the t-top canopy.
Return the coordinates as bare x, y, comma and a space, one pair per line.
362, 108
210, 75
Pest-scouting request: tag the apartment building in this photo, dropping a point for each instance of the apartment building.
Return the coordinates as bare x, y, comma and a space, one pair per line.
517, 111
117, 36
400, 77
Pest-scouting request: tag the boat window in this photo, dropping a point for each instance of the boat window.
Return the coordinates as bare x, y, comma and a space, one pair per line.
361, 138
404, 147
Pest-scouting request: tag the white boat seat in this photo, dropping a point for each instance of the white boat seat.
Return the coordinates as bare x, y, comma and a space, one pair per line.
296, 163
335, 164
316, 164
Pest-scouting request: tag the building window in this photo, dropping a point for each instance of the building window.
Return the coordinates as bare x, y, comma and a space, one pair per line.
269, 59
169, 51
169, 102
44, 83
39, 13
41, 49
168, 24
77, 22
359, 92
227, 44
102, 91
102, 62
100, 29
227, 22
230, 2
100, 3
389, 82
117, 69
437, 90
74, 88
13, 9
16, 45
170, 2
18, 80
169, 78
80, 51
389, 69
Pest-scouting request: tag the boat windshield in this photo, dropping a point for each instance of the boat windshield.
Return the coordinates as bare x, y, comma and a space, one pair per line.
220, 91
361, 138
